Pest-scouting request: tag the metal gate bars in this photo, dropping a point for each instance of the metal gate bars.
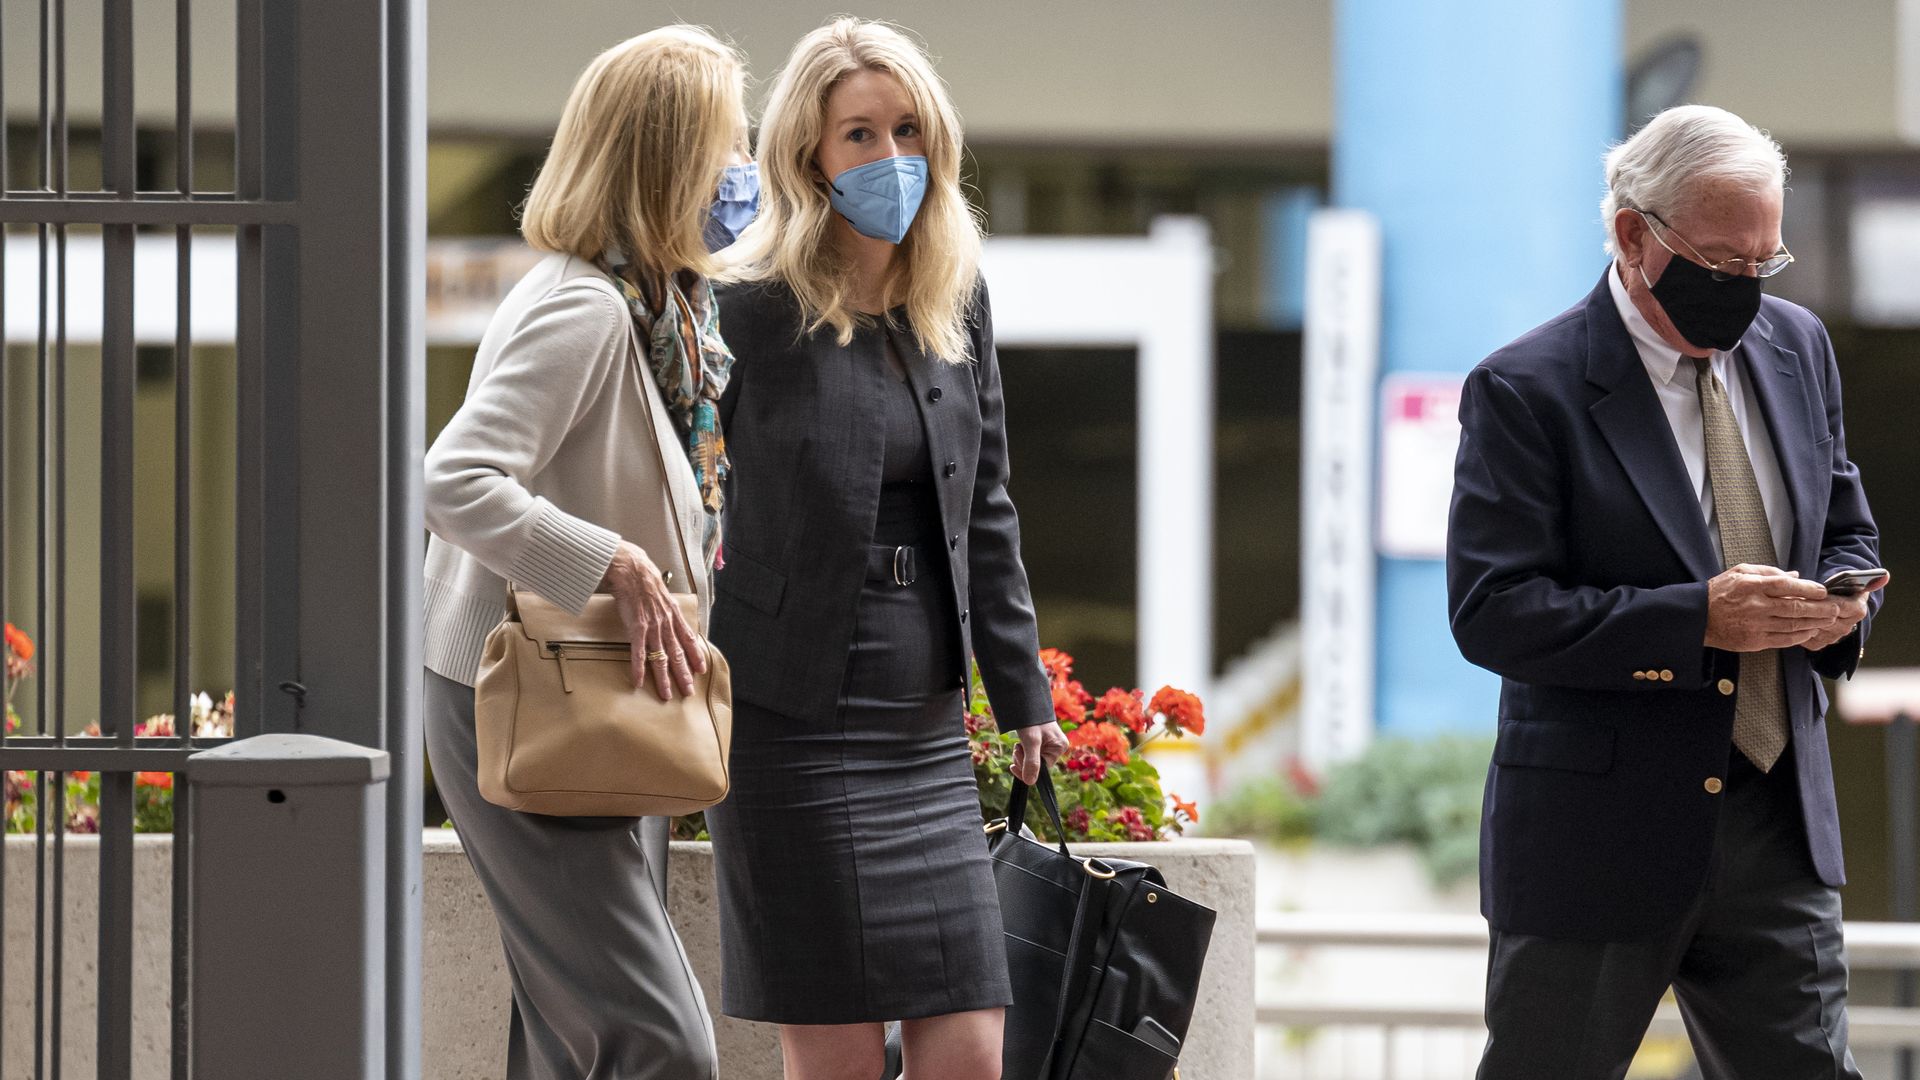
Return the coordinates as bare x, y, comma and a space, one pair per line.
324, 212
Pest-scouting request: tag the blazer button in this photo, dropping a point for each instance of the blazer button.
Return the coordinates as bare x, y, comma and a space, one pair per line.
1725, 686
933, 394
952, 467
1713, 785
1666, 675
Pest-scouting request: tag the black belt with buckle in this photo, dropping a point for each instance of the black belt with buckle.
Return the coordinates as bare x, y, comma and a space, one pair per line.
894, 565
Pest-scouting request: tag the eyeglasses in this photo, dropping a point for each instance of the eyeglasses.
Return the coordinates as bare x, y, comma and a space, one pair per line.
1725, 269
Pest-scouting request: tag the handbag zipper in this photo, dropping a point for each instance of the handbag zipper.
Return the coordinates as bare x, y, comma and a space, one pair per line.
559, 650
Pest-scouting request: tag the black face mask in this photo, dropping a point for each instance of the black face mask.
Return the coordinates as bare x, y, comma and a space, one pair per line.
1709, 314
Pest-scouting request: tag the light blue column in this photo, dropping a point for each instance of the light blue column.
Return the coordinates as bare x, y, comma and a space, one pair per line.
1474, 130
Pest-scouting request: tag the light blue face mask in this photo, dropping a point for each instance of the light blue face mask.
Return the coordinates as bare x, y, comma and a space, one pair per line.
880, 198
734, 206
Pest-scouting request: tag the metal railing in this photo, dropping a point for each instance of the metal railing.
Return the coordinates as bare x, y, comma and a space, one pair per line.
325, 211
1870, 946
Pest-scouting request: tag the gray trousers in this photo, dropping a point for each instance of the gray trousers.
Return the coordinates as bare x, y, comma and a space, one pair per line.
601, 986
1757, 965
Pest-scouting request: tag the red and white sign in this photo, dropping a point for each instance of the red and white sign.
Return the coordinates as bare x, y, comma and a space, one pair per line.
1419, 436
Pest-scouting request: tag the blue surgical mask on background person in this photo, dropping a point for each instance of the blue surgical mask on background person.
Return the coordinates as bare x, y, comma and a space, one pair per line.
880, 198
734, 206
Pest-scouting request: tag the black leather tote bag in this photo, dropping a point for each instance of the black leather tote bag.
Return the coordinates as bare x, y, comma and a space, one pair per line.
1105, 959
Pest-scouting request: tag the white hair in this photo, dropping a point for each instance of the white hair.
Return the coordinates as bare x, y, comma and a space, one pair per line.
1660, 168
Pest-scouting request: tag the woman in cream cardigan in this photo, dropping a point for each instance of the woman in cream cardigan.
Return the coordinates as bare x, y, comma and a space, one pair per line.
548, 476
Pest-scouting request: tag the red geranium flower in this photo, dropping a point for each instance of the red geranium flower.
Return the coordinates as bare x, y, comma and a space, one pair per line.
1079, 820
1067, 706
1181, 710
1185, 808
1098, 735
985, 749
19, 643
1130, 819
1058, 664
1122, 707
1090, 766
162, 780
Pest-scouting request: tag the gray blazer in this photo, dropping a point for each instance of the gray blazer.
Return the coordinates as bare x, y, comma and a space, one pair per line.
805, 489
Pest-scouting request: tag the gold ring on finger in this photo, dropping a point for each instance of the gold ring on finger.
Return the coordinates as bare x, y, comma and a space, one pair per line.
657, 656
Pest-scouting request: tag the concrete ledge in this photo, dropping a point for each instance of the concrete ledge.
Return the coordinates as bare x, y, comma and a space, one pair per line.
465, 983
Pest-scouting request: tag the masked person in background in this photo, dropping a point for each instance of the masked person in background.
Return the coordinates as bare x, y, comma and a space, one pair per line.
550, 476
1650, 491
871, 547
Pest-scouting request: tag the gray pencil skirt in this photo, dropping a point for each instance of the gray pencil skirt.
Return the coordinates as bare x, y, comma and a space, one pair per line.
853, 875
601, 987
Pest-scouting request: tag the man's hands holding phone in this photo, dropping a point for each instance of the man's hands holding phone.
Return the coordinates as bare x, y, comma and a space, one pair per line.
1751, 608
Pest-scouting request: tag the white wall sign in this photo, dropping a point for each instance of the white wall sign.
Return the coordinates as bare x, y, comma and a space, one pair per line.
1340, 365
1419, 436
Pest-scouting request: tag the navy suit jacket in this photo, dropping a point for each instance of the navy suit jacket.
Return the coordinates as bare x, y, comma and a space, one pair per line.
1577, 558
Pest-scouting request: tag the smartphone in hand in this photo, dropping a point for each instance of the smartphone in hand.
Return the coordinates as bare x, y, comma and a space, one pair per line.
1852, 582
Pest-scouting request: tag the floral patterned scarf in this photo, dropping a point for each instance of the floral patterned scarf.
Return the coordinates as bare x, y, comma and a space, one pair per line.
691, 365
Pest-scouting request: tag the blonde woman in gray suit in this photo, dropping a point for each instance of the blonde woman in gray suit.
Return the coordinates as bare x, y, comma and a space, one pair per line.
872, 547
547, 476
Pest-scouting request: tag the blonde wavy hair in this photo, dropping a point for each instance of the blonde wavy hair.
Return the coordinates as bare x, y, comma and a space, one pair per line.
935, 271
649, 128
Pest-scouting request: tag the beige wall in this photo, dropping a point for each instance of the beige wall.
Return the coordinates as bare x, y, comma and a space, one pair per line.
1199, 71
1814, 72
1115, 70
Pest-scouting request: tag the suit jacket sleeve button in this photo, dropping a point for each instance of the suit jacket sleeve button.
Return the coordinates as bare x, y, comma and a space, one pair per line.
1725, 686
1666, 675
1713, 785
1640, 676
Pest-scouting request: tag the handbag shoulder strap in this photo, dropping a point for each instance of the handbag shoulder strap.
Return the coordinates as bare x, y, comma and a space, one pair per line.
653, 440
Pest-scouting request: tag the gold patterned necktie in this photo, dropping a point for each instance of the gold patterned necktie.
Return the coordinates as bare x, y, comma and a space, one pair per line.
1760, 704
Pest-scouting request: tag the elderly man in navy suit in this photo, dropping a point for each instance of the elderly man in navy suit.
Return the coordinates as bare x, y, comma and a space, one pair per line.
1650, 491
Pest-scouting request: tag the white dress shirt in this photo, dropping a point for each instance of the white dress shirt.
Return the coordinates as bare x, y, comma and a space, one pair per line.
1675, 381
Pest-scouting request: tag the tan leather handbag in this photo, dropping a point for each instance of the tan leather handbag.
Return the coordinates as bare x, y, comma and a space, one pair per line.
562, 730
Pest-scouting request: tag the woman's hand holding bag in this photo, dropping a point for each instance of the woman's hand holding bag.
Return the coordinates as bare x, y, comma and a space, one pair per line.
654, 624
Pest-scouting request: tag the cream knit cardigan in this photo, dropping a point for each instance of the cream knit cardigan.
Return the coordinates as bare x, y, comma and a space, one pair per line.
546, 466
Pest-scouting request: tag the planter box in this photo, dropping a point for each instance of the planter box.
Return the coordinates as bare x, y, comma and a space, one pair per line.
465, 991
